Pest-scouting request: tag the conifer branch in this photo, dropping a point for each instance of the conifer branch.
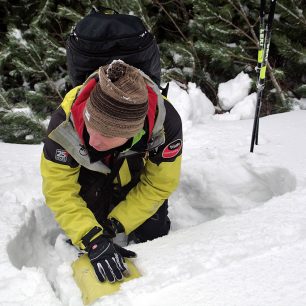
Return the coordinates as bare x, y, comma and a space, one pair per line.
242, 12
237, 28
172, 20
232, 24
300, 18
3, 99
179, 30
42, 12
248, 59
51, 83
276, 85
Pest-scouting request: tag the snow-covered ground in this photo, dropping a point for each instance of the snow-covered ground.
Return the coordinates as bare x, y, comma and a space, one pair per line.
238, 221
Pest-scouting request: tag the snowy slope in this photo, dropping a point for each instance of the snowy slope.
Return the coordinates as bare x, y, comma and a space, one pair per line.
238, 222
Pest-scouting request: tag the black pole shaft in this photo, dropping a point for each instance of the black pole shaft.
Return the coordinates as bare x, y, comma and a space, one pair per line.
256, 119
259, 108
260, 88
262, 32
265, 59
262, 73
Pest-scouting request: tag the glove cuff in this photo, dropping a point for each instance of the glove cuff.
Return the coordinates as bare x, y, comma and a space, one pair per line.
109, 230
88, 237
117, 226
111, 227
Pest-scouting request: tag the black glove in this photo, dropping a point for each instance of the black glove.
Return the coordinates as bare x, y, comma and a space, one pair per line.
112, 227
107, 259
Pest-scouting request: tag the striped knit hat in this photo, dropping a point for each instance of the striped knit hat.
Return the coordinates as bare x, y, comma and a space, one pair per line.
118, 104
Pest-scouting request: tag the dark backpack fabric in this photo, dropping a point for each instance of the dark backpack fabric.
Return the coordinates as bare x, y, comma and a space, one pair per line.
100, 38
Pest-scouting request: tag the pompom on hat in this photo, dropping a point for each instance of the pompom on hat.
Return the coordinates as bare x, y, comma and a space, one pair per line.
118, 104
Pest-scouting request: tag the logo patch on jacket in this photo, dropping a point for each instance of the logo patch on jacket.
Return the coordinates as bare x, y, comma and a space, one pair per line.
172, 149
61, 155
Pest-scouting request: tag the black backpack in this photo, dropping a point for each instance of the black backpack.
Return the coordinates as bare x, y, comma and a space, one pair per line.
100, 37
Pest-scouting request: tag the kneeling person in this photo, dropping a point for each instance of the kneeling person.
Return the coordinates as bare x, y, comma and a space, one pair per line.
110, 161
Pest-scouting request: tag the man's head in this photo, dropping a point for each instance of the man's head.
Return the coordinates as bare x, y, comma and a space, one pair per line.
117, 106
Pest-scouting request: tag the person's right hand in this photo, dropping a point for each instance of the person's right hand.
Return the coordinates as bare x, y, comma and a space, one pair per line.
107, 259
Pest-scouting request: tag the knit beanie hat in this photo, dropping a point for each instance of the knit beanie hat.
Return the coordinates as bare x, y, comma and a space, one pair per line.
118, 104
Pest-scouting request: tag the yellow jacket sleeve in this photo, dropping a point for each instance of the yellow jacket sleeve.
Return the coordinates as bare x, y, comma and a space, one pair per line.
61, 190
157, 182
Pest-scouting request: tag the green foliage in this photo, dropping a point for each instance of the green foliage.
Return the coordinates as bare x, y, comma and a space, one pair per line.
223, 38
206, 42
65, 12
19, 128
181, 55
301, 91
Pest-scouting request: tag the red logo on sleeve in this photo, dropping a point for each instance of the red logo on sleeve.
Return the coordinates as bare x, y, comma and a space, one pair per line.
172, 149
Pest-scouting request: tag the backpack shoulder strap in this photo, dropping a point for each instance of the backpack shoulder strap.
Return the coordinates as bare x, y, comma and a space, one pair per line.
158, 128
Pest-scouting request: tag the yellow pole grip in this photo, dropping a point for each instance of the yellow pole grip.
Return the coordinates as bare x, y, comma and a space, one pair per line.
260, 56
263, 72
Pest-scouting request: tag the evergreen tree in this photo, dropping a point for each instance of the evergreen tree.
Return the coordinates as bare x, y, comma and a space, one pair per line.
32, 63
220, 39
33, 69
206, 42
290, 47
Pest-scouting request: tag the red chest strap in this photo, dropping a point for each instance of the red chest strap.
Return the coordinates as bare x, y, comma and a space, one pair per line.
152, 96
78, 108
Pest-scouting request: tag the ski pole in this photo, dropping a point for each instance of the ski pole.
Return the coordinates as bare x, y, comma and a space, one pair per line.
267, 40
260, 51
261, 35
262, 73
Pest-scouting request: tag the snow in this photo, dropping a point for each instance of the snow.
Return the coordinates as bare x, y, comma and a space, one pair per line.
193, 105
29, 137
16, 34
233, 91
245, 109
176, 57
188, 71
110, 66
62, 50
45, 122
26, 111
238, 234
232, 45
60, 83
300, 103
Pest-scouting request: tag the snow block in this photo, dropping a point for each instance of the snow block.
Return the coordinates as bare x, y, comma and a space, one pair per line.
233, 91
91, 288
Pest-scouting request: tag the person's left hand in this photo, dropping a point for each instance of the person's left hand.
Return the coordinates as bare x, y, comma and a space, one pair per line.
107, 259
